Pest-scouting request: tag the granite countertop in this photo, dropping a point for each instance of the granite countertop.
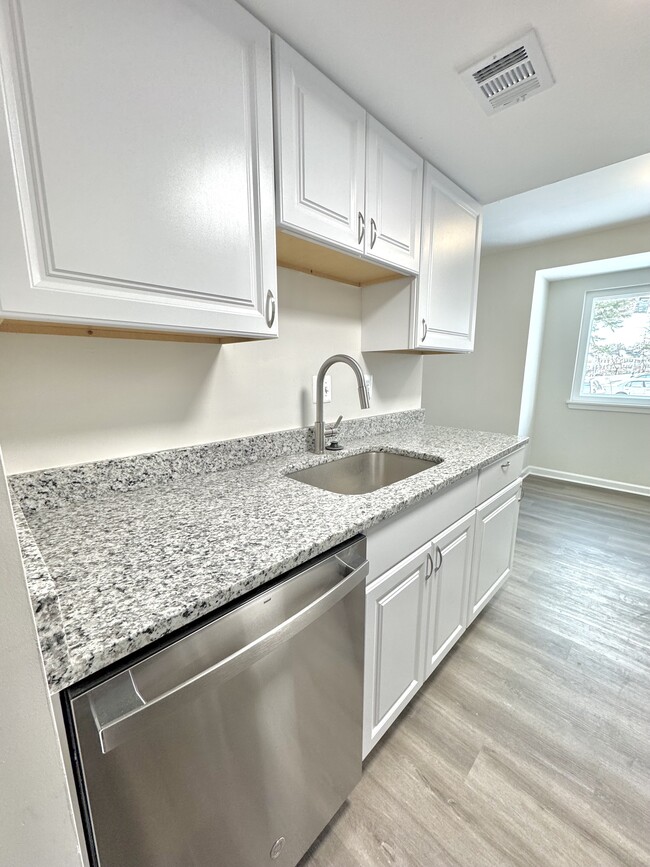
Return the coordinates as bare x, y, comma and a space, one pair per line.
111, 570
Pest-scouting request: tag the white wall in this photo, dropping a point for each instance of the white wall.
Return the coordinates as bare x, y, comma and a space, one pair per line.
68, 400
36, 825
598, 444
483, 390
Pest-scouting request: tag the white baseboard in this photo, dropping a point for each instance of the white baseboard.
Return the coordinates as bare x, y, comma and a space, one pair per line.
591, 481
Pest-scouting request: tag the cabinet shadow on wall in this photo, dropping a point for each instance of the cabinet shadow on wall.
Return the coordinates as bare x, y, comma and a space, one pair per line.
71, 387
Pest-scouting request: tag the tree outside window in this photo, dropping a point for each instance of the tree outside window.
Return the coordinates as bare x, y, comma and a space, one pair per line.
613, 362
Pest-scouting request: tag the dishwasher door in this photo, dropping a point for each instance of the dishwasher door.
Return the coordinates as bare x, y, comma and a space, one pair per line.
235, 745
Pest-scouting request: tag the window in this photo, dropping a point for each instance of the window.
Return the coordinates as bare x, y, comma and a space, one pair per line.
613, 363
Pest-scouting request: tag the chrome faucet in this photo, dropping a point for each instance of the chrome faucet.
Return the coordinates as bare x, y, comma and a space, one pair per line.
320, 432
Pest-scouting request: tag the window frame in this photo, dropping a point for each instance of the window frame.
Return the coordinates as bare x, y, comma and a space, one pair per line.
607, 402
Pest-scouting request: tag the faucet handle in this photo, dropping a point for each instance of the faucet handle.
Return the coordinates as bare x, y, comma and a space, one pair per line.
332, 429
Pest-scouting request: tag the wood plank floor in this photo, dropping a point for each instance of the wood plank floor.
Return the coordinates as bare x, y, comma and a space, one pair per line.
530, 744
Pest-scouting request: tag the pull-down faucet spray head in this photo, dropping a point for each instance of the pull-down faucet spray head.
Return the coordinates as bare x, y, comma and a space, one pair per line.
364, 397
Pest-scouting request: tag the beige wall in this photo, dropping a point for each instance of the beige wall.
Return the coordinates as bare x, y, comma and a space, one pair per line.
68, 400
36, 824
598, 444
483, 390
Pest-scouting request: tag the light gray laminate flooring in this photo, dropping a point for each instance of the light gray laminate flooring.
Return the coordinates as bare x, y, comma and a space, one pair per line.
530, 744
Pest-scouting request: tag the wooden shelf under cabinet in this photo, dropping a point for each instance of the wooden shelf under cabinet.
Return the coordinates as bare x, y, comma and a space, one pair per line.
299, 254
25, 326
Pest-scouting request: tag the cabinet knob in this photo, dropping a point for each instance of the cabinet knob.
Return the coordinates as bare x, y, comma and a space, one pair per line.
430, 568
373, 233
505, 466
270, 309
424, 330
361, 227
438, 558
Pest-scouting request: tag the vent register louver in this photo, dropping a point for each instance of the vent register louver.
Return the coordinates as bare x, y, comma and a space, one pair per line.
511, 75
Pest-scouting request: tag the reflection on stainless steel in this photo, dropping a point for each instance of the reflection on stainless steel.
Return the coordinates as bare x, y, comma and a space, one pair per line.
364, 398
362, 473
236, 744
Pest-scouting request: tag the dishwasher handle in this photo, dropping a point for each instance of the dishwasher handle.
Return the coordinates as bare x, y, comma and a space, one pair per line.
117, 723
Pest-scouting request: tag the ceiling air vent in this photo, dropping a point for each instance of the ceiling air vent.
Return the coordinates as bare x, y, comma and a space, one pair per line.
514, 73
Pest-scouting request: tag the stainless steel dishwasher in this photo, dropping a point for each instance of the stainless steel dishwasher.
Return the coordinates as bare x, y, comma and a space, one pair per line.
236, 744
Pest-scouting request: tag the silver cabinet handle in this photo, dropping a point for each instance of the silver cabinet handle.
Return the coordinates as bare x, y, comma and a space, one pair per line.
424, 330
129, 718
505, 466
373, 233
361, 230
429, 571
521, 494
270, 309
438, 558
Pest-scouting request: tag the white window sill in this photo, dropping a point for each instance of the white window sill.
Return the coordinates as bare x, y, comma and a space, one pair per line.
609, 405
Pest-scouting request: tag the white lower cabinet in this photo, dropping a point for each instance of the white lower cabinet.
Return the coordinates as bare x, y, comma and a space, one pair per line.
494, 546
447, 590
393, 648
417, 609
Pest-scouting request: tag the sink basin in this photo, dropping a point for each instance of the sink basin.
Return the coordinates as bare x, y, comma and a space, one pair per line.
363, 473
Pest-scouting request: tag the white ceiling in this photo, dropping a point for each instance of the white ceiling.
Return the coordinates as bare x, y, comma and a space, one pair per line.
615, 194
401, 61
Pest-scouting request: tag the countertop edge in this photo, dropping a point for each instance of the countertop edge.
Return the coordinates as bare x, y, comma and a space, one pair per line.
46, 608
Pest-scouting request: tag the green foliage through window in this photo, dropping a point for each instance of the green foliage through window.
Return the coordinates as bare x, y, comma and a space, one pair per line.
617, 357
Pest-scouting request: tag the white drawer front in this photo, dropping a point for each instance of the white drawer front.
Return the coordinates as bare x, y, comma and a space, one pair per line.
499, 474
396, 537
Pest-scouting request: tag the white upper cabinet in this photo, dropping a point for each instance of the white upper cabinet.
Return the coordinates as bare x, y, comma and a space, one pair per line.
437, 310
447, 286
393, 199
320, 153
342, 179
137, 176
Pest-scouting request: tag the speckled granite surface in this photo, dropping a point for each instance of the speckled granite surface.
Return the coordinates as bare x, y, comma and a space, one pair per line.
52, 488
126, 567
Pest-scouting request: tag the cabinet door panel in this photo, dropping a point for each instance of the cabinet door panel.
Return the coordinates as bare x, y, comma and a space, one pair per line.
448, 279
145, 134
397, 619
496, 529
393, 200
320, 143
447, 590
393, 662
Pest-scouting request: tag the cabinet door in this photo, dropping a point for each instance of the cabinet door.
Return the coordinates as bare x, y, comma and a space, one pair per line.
447, 590
320, 151
393, 650
447, 286
142, 139
494, 546
393, 200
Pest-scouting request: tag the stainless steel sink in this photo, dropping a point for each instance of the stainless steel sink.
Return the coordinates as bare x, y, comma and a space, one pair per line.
362, 473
